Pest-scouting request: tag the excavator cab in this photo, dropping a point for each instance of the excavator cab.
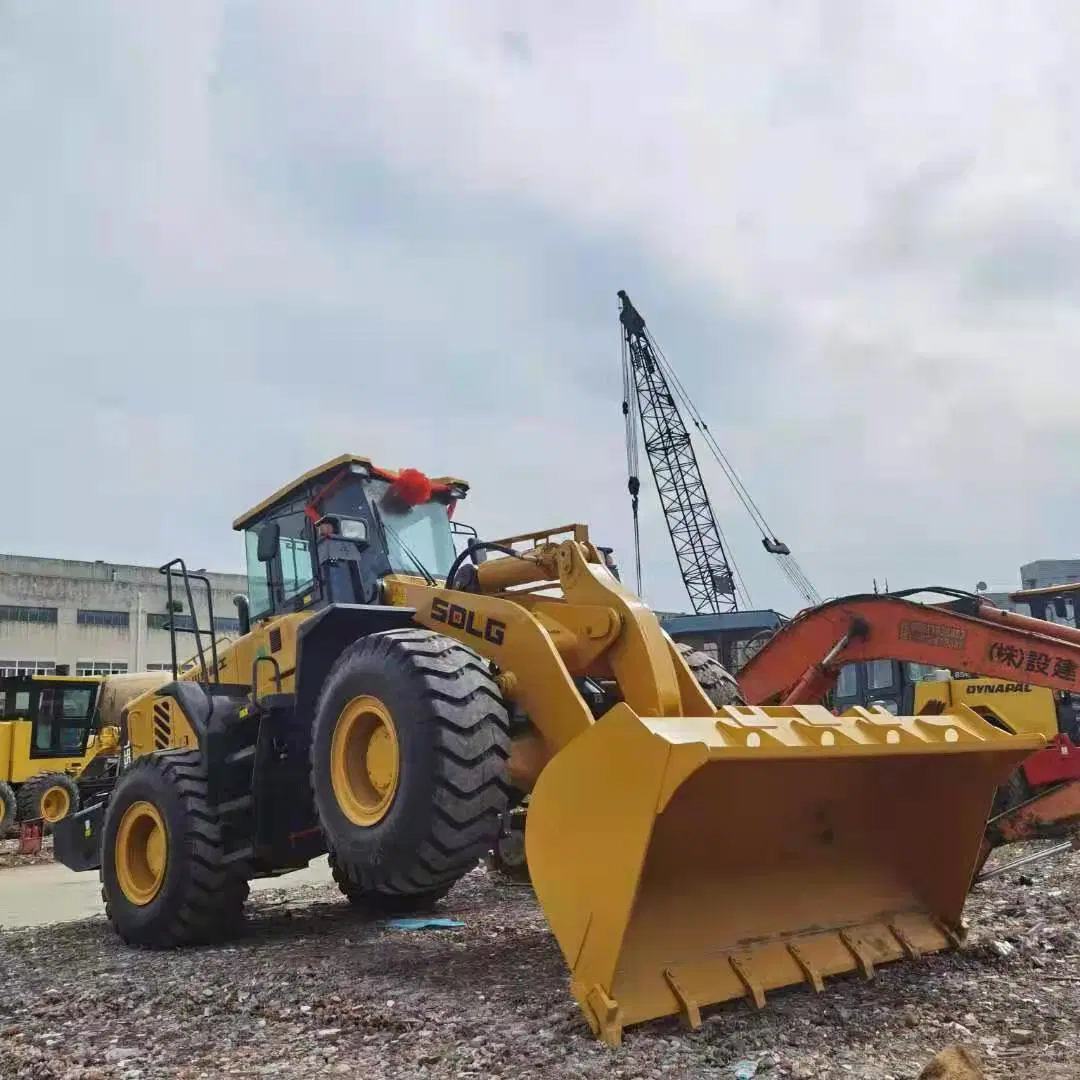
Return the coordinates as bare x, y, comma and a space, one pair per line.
890, 684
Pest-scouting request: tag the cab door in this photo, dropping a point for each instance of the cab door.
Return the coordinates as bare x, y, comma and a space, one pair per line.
874, 682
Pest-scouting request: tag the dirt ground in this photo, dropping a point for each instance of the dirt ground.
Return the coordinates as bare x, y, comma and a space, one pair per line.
312, 990
9, 856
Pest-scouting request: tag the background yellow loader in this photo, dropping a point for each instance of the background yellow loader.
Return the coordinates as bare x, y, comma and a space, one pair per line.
58, 744
389, 700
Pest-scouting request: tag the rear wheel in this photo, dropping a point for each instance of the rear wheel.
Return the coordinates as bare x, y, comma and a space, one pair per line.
408, 763
164, 880
1013, 792
718, 683
507, 858
8, 808
48, 798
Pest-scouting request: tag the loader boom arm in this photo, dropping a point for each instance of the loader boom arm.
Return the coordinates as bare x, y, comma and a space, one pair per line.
802, 661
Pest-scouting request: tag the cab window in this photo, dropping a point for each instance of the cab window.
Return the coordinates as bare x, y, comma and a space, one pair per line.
879, 675
291, 573
62, 721
847, 683
297, 566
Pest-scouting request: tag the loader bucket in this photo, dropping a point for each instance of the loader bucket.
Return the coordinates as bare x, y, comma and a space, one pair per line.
686, 861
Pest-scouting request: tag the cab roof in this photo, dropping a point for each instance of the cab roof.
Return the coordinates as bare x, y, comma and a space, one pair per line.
325, 472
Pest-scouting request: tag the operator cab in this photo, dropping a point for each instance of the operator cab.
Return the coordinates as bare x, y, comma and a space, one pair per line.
331, 536
888, 683
61, 711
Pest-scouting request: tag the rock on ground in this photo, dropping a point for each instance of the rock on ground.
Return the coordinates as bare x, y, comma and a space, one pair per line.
312, 990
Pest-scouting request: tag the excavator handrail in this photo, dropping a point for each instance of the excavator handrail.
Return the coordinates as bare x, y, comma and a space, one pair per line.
802, 660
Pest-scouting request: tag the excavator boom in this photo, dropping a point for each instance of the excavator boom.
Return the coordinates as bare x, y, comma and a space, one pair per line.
802, 661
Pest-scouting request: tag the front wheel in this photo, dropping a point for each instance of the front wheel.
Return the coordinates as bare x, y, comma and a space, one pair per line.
408, 766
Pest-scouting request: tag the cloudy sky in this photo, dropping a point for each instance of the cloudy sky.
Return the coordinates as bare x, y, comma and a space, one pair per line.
238, 237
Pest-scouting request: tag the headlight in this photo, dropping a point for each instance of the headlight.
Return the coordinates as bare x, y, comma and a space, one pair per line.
352, 529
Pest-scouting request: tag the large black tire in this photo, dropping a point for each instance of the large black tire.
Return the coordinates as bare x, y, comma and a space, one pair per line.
453, 739
718, 683
377, 904
9, 809
1013, 792
201, 899
38, 798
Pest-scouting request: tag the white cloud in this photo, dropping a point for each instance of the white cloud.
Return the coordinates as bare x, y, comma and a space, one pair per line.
239, 236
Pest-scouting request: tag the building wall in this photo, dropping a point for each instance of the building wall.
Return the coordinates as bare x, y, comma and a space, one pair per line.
97, 616
1043, 573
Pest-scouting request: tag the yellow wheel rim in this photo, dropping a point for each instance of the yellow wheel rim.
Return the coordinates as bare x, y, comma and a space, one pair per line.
141, 853
364, 760
55, 804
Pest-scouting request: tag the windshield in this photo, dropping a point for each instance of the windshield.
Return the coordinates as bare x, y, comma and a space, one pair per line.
422, 532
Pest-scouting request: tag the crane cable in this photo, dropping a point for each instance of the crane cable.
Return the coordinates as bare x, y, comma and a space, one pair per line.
633, 424
788, 564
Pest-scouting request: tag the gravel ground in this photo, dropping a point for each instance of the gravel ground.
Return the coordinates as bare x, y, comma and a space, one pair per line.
9, 853
311, 990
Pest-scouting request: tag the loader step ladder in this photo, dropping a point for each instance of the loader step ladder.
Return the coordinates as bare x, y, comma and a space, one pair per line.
176, 570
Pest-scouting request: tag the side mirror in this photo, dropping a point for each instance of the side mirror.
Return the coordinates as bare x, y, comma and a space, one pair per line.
243, 612
269, 535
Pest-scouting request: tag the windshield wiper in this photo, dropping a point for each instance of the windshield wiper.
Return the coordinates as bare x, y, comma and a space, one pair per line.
426, 574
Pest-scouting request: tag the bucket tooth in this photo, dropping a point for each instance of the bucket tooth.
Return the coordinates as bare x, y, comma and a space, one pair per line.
813, 976
686, 861
741, 967
691, 1012
604, 1016
862, 958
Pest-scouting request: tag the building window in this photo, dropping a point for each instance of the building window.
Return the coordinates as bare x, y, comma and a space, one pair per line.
120, 620
159, 667
163, 622
27, 667
100, 667
186, 623
20, 613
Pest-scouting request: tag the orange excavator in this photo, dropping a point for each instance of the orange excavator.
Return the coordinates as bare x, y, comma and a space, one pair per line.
801, 662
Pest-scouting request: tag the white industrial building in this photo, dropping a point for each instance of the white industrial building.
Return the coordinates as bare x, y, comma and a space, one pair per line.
98, 617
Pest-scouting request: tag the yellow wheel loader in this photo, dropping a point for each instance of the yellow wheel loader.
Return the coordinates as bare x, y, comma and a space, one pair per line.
389, 700
56, 750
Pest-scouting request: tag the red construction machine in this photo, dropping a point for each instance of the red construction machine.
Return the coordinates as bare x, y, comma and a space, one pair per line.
964, 633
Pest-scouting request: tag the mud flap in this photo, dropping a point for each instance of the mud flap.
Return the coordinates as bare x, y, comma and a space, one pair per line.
686, 861
77, 838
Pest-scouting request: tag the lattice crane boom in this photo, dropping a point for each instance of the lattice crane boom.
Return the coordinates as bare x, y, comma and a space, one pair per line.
652, 395
649, 406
